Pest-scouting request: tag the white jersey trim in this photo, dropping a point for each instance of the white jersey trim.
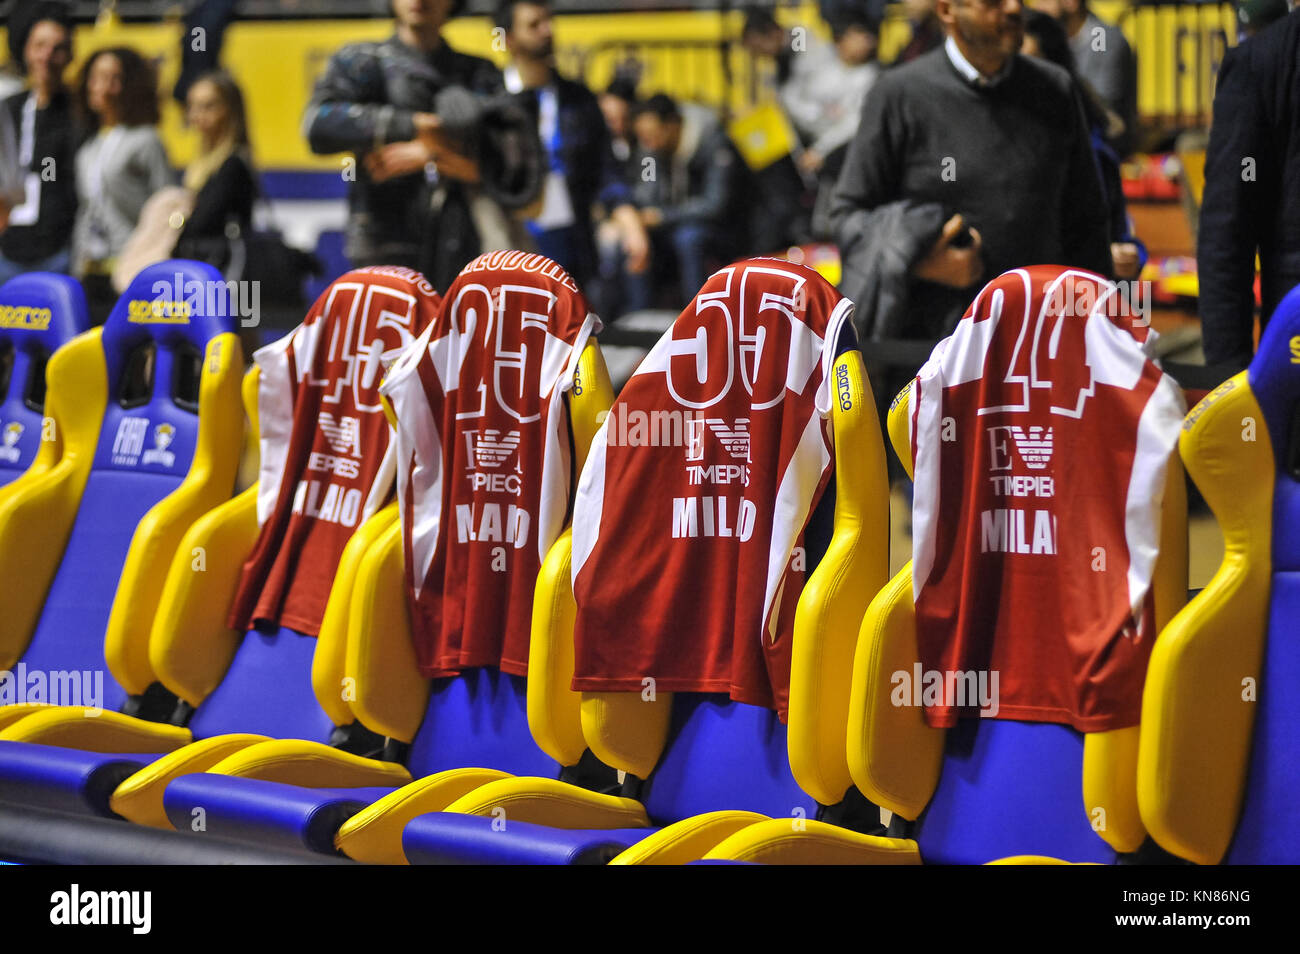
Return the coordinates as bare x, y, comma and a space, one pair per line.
275, 390
842, 312
553, 496
589, 502
1157, 436
792, 507
419, 446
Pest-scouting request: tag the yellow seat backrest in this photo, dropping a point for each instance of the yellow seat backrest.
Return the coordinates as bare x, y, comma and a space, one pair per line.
895, 757
391, 696
630, 733
1198, 706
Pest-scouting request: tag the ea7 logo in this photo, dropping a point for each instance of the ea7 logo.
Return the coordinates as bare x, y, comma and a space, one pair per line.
1033, 445
489, 449
75, 907
733, 438
344, 435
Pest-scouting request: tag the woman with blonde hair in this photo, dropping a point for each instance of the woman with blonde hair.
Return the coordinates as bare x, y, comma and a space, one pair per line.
220, 177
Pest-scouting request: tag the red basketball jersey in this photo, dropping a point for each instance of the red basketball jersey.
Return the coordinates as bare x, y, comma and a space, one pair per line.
484, 460
1041, 435
326, 461
687, 558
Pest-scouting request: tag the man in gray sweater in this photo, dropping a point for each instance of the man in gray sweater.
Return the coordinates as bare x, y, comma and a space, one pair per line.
968, 161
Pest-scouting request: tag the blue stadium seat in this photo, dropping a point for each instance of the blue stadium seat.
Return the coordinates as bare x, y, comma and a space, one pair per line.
238, 689
710, 765
39, 313
443, 726
485, 717
254, 687
149, 417
986, 789
1217, 766
151, 425
40, 502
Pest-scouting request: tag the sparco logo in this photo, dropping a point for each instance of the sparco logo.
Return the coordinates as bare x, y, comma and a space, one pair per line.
842, 386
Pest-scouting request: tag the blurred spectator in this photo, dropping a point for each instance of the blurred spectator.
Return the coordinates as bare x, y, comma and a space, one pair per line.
582, 172
838, 11
969, 161
785, 197
11, 176
792, 52
204, 32
220, 176
409, 203
1103, 57
691, 197
1251, 203
11, 71
40, 224
119, 167
616, 105
927, 31
764, 38
1254, 15
825, 102
1046, 39
11, 80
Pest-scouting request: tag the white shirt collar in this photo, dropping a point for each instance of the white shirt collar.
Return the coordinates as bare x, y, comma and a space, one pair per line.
514, 83
969, 72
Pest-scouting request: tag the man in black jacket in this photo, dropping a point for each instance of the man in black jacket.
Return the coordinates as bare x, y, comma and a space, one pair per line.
691, 194
969, 160
408, 204
1251, 201
40, 226
582, 173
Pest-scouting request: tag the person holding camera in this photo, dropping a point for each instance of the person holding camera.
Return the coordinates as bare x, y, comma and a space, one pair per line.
425, 192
